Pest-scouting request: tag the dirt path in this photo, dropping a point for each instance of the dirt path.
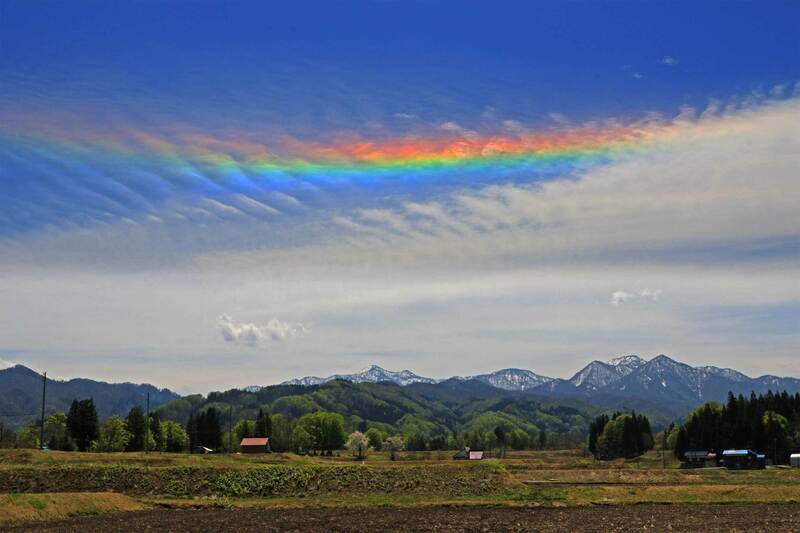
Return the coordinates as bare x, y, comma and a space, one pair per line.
728, 518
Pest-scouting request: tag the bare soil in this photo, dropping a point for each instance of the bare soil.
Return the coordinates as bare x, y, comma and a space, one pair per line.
727, 518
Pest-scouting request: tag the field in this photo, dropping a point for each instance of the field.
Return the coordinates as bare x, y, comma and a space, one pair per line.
542, 491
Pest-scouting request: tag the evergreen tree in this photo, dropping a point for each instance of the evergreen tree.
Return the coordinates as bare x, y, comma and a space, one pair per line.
82, 423
136, 425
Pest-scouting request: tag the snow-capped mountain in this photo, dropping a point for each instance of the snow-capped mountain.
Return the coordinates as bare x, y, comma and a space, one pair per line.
6, 364
599, 374
251, 388
514, 379
372, 374
629, 378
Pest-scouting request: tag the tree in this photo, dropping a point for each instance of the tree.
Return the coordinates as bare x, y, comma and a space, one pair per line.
542, 439
358, 444
82, 423
136, 425
28, 437
205, 430
376, 438
113, 436
518, 439
156, 434
175, 438
393, 445
301, 439
326, 430
500, 435
333, 435
263, 424
281, 438
56, 433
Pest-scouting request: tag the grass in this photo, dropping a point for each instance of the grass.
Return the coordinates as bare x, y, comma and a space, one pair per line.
28, 507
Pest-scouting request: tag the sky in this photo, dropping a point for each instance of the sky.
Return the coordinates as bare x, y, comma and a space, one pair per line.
203, 195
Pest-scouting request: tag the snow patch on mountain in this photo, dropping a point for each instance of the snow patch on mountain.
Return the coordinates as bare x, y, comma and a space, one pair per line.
372, 374
514, 379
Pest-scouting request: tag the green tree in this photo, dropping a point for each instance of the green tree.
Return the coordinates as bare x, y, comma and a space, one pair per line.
175, 438
326, 430
28, 437
113, 435
56, 433
82, 423
376, 438
518, 439
263, 424
156, 434
281, 438
301, 439
136, 425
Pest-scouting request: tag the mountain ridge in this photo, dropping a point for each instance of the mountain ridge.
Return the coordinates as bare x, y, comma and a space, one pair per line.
660, 379
21, 395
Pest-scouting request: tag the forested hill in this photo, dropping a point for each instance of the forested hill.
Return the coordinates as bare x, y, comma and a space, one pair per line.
21, 396
424, 409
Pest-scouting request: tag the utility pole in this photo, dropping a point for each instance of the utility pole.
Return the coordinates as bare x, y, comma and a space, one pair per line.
230, 428
147, 425
41, 428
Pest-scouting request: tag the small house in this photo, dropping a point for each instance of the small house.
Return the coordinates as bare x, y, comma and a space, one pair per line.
469, 454
254, 445
794, 460
743, 459
699, 459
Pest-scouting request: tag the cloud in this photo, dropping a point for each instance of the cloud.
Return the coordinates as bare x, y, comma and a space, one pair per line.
405, 116
252, 334
669, 61
638, 75
450, 126
620, 297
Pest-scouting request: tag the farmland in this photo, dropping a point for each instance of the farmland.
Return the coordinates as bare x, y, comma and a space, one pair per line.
422, 490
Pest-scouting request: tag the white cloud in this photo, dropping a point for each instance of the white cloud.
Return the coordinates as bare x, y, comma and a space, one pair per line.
450, 126
638, 75
620, 297
252, 334
405, 116
669, 61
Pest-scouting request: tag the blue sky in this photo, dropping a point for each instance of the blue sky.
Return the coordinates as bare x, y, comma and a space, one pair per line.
119, 244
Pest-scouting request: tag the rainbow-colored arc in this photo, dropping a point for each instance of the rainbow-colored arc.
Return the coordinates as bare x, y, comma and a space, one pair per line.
236, 159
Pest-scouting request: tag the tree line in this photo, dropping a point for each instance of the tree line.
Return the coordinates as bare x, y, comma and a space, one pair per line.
620, 435
319, 432
81, 430
768, 423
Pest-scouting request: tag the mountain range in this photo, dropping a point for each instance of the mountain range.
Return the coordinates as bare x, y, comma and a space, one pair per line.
21, 395
662, 387
663, 380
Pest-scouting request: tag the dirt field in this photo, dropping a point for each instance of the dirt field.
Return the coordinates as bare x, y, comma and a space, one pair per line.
728, 518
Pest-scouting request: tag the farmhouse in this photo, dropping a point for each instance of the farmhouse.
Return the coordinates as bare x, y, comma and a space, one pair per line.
469, 454
738, 459
699, 459
254, 445
794, 460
